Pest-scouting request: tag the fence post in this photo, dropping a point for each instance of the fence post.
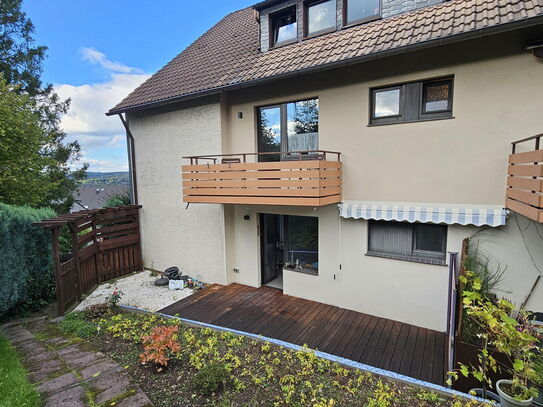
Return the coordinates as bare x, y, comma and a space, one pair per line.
75, 251
97, 256
55, 232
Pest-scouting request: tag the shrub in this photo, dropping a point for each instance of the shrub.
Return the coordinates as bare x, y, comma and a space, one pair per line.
160, 345
26, 274
121, 198
75, 324
212, 379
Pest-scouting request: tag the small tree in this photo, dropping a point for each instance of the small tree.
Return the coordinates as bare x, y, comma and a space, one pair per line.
513, 337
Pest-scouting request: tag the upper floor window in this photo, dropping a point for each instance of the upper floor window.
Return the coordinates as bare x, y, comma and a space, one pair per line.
284, 27
358, 11
413, 101
320, 17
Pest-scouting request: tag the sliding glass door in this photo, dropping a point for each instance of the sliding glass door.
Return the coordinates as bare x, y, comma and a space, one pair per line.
286, 127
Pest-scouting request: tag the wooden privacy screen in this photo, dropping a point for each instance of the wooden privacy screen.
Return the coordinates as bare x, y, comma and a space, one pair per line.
105, 245
299, 183
525, 182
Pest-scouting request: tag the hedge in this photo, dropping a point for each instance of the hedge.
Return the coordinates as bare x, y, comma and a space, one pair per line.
26, 273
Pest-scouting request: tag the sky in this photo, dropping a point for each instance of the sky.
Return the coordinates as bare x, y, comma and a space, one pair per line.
100, 50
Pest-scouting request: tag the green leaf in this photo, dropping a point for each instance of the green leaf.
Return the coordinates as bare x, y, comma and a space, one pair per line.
518, 365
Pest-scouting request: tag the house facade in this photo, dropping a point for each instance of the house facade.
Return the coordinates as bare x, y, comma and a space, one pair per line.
340, 150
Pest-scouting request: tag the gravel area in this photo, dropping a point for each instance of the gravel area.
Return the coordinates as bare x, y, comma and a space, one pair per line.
139, 291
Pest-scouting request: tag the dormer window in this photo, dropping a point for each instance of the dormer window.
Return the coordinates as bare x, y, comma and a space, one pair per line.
284, 27
320, 17
360, 11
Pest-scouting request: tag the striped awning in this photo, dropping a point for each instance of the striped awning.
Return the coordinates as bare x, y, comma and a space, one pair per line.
450, 214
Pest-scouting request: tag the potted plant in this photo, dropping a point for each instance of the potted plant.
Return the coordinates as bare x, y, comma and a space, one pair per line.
514, 337
538, 381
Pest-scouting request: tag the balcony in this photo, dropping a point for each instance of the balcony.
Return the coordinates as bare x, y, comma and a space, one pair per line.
525, 182
305, 178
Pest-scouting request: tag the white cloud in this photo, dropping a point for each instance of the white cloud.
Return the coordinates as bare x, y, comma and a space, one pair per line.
86, 120
105, 165
98, 58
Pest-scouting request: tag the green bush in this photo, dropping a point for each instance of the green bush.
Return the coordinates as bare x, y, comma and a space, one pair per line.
26, 273
211, 379
121, 198
75, 324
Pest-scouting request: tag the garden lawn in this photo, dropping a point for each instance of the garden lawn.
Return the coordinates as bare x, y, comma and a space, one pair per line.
212, 368
15, 390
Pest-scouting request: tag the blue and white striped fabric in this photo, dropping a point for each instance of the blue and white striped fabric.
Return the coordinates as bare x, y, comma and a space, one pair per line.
449, 214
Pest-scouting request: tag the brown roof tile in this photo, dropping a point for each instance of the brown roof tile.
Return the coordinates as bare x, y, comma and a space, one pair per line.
228, 54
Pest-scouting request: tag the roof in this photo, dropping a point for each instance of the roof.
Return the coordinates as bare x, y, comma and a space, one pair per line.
94, 197
228, 56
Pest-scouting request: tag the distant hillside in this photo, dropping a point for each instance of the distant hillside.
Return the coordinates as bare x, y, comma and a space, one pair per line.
106, 178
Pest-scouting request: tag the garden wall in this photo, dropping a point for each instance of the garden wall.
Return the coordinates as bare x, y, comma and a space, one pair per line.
26, 274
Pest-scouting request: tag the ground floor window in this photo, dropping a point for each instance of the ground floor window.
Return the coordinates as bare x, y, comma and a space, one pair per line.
419, 242
302, 243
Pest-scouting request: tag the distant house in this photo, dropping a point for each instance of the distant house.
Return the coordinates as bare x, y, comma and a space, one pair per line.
94, 197
422, 99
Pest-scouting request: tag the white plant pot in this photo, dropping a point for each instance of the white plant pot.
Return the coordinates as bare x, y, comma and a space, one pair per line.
508, 401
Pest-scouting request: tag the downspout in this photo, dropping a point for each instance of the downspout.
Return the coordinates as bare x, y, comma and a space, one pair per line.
131, 159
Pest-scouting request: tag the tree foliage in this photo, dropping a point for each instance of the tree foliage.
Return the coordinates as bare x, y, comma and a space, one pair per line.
35, 159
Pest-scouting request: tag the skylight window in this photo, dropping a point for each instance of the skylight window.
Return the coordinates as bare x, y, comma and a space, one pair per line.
320, 17
359, 11
284, 27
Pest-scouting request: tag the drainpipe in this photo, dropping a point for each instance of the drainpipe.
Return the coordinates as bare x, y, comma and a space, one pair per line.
131, 159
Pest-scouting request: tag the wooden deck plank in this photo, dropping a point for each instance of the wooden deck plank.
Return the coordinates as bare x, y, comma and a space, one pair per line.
380, 342
418, 355
397, 354
391, 343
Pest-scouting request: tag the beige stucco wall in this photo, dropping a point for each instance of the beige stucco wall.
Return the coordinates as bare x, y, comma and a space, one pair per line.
403, 291
497, 100
192, 239
517, 248
461, 160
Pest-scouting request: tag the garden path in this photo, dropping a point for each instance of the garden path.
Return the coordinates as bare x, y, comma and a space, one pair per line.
70, 373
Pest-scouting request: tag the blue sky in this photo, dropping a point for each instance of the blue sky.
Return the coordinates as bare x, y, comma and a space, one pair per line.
100, 50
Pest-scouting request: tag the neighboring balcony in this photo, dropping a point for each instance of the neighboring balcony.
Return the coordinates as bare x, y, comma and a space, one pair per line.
308, 178
525, 182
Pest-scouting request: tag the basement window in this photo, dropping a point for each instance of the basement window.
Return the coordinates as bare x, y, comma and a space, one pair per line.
361, 11
284, 27
412, 101
417, 242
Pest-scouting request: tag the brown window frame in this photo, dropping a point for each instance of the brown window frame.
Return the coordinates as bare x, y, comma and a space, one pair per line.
425, 85
272, 20
306, 5
368, 19
416, 255
412, 102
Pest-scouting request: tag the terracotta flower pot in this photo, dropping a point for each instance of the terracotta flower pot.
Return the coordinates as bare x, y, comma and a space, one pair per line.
508, 401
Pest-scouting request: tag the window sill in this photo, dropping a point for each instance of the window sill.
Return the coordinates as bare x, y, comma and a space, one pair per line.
303, 271
410, 121
412, 259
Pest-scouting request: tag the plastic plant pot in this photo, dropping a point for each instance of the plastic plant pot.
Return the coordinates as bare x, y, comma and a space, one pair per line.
489, 395
508, 401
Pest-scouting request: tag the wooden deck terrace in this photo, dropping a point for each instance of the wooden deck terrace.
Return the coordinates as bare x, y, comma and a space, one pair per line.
379, 342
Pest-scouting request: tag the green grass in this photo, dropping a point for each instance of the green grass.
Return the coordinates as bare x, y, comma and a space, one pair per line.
15, 390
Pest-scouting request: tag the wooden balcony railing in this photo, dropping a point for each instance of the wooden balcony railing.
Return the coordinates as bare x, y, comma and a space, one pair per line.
525, 182
301, 179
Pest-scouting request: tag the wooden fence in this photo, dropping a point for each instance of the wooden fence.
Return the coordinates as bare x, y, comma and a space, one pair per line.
105, 245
